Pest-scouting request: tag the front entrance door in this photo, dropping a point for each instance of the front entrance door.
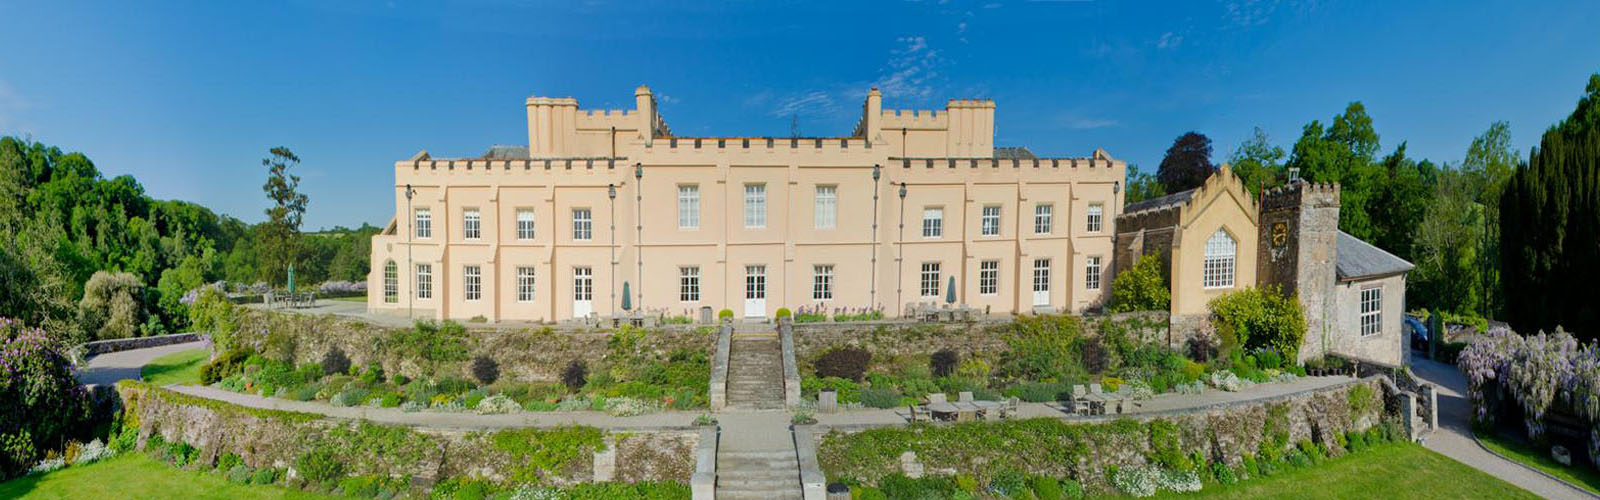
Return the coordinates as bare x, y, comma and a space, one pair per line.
582, 291
755, 291
1041, 282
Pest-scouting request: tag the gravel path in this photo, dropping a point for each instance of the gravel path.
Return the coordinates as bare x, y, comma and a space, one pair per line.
1454, 437
107, 369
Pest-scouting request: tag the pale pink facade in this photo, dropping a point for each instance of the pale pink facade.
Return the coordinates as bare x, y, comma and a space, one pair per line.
741, 215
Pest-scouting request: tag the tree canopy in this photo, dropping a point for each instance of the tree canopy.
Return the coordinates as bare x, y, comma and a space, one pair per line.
1187, 163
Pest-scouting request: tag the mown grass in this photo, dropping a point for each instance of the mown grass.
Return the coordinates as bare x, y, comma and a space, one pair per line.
1581, 475
182, 367
136, 476
1399, 470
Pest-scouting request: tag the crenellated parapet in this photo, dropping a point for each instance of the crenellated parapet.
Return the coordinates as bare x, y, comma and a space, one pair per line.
1222, 183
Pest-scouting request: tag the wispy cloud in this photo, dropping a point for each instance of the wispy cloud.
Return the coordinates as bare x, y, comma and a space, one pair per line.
911, 69
993, 5
1169, 40
911, 74
1091, 123
815, 102
1251, 13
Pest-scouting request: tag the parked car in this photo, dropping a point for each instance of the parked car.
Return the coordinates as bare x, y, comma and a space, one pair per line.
1418, 333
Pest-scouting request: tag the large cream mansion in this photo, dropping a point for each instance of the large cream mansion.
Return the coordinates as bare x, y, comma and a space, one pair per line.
603, 203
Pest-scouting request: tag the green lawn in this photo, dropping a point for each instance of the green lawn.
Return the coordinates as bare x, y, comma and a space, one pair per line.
182, 367
138, 476
357, 298
1581, 475
1401, 470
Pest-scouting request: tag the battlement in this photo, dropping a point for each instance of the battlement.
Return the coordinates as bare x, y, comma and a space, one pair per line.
821, 144
1149, 219
1300, 193
1097, 161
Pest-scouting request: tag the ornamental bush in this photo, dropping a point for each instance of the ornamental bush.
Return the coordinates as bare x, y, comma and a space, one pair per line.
320, 465
335, 362
1261, 318
485, 369
575, 375
844, 362
1142, 287
40, 400
943, 363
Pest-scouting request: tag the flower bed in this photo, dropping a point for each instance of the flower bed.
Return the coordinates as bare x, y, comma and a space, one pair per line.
1534, 376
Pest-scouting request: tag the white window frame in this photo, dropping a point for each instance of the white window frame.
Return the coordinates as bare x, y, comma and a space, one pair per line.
688, 206
827, 206
989, 222
1091, 273
1041, 274
755, 206
932, 222
472, 282
424, 281
1371, 309
1221, 255
929, 284
582, 224
424, 222
988, 277
526, 279
688, 283
471, 224
391, 283
526, 224
755, 282
1095, 218
582, 283
1043, 217
822, 282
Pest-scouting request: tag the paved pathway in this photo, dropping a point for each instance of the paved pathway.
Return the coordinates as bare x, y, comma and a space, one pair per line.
1454, 436
109, 368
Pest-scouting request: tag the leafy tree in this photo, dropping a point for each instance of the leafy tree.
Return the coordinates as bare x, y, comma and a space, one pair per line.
43, 400
1187, 164
1448, 248
1260, 317
1489, 163
1343, 153
1550, 221
282, 230
1141, 186
1142, 287
112, 305
1258, 163
1398, 202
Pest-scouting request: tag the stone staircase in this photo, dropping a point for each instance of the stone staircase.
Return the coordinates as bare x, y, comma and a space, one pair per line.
758, 475
755, 372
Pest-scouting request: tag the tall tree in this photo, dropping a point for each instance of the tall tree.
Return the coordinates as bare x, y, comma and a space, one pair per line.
1398, 202
284, 217
1342, 153
1447, 249
1489, 164
1550, 223
1141, 186
1258, 163
1187, 164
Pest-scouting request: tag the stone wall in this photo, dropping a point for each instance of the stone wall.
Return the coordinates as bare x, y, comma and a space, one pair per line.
531, 354
273, 438
1085, 450
98, 347
982, 339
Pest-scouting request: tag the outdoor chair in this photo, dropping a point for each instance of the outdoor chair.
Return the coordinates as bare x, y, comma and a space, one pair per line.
1094, 389
1079, 404
937, 397
915, 417
964, 396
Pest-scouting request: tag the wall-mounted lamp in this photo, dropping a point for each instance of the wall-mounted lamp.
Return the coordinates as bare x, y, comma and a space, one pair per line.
611, 191
1116, 187
638, 171
876, 172
902, 190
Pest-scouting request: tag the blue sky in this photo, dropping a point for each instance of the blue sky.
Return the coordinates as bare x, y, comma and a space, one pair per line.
188, 96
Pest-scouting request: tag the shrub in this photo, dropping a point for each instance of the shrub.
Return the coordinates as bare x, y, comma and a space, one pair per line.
1071, 489
228, 461
1040, 392
1204, 345
1046, 488
42, 401
725, 314
1095, 357
497, 403
844, 362
1042, 347
973, 368
264, 475
373, 374
1261, 317
223, 366
320, 465
943, 363
784, 312
1142, 287
879, 397
576, 374
485, 369
1224, 474
239, 473
335, 362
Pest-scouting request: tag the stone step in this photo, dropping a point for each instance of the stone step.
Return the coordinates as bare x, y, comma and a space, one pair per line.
759, 469
775, 483
753, 494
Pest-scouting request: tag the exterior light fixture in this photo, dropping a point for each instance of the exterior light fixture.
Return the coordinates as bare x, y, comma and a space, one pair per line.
611, 191
902, 190
876, 172
1116, 187
638, 171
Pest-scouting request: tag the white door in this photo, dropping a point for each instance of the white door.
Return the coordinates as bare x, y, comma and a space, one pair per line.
755, 291
1041, 282
582, 291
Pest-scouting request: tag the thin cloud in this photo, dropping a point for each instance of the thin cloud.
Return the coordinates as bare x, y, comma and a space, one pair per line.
1169, 40
911, 70
810, 103
11, 104
1079, 123
1252, 13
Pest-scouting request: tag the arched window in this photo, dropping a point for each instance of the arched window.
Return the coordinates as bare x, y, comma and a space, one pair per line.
1220, 251
391, 283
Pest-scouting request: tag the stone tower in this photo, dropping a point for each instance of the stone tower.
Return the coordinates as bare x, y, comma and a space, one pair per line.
1299, 253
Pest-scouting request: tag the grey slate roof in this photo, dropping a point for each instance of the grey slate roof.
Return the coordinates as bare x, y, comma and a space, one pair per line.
1359, 259
1170, 200
499, 152
1010, 152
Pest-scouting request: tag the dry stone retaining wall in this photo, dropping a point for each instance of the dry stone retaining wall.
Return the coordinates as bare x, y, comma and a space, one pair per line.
271, 438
